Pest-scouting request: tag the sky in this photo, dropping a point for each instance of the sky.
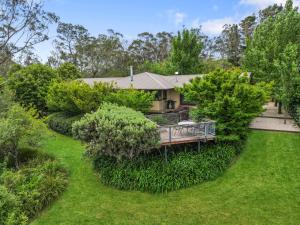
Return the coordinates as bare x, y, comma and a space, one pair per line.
131, 17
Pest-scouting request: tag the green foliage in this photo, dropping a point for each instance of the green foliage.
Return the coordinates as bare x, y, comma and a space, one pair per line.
62, 122
10, 213
27, 191
138, 100
18, 128
31, 84
68, 71
228, 98
77, 97
273, 54
186, 50
117, 131
155, 175
6, 100
164, 67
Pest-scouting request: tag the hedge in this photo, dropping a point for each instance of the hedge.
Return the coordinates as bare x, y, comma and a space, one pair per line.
62, 122
152, 174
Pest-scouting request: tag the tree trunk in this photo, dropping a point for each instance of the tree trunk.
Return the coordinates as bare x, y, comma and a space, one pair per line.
280, 108
276, 103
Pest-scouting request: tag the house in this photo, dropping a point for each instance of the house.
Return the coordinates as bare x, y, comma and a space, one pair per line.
167, 98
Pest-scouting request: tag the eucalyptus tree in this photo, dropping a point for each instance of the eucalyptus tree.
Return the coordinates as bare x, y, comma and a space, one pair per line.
23, 24
69, 37
229, 44
150, 47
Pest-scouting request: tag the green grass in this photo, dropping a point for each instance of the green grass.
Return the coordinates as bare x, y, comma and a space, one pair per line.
262, 187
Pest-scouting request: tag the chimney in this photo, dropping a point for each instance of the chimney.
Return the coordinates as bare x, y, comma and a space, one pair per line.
131, 73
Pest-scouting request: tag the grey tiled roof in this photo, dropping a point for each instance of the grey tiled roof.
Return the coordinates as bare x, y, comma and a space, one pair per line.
145, 81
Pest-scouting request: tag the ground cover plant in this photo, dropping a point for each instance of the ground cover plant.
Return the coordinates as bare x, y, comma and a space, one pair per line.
153, 174
261, 187
31, 188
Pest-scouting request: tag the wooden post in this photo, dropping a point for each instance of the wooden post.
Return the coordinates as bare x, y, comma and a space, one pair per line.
279, 107
170, 134
199, 146
205, 130
166, 154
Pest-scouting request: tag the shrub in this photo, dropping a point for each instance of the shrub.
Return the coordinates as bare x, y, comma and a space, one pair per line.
62, 122
117, 131
31, 85
68, 71
75, 97
34, 186
138, 100
229, 98
152, 174
25, 192
10, 212
18, 128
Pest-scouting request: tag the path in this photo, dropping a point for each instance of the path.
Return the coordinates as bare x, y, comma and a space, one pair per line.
271, 120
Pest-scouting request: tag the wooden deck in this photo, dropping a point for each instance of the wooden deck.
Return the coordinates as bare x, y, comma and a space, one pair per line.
200, 132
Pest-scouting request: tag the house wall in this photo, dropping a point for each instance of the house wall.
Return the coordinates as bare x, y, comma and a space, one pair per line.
174, 96
160, 106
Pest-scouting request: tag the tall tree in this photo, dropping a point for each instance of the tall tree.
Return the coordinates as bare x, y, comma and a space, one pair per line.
229, 44
23, 24
69, 37
186, 50
247, 26
150, 47
104, 55
270, 12
272, 46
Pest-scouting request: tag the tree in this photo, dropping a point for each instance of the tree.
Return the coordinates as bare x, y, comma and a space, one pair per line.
149, 47
228, 98
69, 38
186, 50
265, 54
17, 128
229, 44
31, 84
270, 12
68, 71
247, 28
23, 24
76, 97
105, 55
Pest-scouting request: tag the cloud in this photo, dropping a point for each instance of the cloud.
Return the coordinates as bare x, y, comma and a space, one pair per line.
212, 27
264, 3
176, 17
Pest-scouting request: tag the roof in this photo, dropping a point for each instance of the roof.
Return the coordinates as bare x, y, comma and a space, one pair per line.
145, 81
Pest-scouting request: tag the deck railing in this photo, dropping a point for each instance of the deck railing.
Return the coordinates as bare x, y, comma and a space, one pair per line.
201, 130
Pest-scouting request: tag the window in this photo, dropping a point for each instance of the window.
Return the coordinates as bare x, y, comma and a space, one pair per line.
164, 95
158, 95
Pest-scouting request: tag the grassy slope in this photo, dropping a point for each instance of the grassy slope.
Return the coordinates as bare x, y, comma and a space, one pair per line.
262, 187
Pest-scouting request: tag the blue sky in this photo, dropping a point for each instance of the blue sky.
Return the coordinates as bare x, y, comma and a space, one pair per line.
131, 17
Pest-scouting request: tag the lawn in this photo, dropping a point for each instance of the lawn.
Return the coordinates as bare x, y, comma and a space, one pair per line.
262, 187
